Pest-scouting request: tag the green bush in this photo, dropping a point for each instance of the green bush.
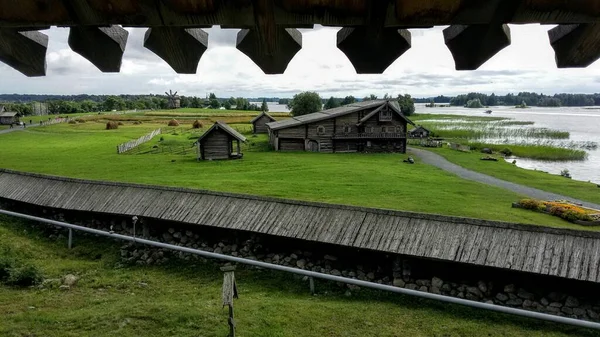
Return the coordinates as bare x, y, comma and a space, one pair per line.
531, 204
24, 276
6, 265
506, 151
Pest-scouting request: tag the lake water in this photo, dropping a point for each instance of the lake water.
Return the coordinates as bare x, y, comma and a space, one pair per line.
583, 124
274, 107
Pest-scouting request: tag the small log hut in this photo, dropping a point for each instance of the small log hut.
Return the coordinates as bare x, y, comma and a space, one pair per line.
259, 123
8, 117
217, 143
419, 132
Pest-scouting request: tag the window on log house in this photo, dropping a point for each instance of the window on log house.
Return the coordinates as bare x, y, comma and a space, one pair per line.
385, 115
320, 130
347, 128
383, 129
399, 129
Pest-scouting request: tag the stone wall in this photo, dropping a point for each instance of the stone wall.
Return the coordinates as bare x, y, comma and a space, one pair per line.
531, 292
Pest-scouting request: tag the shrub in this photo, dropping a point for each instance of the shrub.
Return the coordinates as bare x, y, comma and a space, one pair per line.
120, 123
112, 125
197, 124
6, 265
72, 122
24, 276
506, 151
80, 120
137, 123
173, 122
531, 204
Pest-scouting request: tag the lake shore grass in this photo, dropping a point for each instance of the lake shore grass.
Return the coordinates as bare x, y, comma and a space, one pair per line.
539, 152
509, 172
498, 133
373, 180
183, 298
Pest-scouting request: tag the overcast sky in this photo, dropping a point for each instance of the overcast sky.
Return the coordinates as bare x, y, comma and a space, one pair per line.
427, 69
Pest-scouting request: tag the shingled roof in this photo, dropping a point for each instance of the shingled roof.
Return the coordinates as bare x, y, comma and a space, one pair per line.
219, 125
264, 113
335, 112
564, 253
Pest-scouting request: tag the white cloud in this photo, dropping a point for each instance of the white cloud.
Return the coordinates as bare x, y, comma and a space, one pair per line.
424, 70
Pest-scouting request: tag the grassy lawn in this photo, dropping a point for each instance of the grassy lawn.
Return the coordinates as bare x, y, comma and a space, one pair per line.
374, 180
183, 299
507, 171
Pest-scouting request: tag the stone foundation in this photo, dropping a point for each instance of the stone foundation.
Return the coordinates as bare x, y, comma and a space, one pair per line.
497, 286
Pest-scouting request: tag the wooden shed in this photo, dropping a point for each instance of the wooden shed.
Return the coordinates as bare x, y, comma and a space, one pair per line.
419, 132
7, 117
259, 123
217, 143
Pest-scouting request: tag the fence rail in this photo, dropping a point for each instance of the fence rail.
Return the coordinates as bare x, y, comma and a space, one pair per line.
135, 143
370, 135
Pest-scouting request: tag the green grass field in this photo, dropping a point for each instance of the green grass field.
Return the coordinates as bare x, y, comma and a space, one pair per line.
507, 171
183, 299
374, 180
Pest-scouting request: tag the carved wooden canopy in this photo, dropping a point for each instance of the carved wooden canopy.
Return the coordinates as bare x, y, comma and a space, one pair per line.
373, 34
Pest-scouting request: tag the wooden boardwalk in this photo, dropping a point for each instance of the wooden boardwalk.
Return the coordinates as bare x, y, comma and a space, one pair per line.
557, 252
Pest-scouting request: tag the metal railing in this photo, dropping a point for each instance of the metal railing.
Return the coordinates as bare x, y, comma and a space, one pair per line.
312, 274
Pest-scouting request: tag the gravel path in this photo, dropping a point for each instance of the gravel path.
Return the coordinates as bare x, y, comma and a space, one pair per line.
441, 162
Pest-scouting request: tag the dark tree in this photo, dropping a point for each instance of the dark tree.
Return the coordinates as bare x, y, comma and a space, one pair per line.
305, 103
264, 107
407, 104
331, 103
348, 100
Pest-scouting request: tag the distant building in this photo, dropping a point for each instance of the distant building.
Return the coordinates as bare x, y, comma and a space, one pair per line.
369, 126
419, 132
217, 143
7, 117
259, 123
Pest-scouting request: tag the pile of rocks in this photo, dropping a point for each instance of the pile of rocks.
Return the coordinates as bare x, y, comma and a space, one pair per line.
391, 271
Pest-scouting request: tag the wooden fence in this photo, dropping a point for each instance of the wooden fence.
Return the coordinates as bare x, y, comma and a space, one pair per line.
52, 121
134, 143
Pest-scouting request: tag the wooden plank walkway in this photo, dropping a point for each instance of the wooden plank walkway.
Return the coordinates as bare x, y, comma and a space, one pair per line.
563, 253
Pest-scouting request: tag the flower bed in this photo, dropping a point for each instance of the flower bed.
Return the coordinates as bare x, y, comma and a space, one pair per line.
562, 209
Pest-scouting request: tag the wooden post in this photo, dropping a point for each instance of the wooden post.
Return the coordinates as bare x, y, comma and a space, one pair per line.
311, 282
238, 148
70, 244
229, 293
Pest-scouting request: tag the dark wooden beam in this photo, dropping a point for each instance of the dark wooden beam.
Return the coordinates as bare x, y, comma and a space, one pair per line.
180, 48
288, 13
24, 51
270, 46
373, 47
472, 46
103, 46
575, 46
373, 54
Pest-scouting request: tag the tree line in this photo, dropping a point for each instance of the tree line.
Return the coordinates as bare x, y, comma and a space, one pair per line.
53, 104
522, 98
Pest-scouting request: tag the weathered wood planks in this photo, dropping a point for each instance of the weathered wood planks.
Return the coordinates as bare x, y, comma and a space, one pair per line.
557, 252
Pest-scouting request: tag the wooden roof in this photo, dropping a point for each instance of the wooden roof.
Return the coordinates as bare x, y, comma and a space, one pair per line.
336, 112
325, 114
373, 35
8, 114
228, 129
393, 105
264, 113
420, 127
562, 253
